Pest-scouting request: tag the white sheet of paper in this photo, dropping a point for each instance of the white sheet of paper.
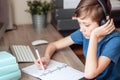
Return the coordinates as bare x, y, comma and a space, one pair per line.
55, 71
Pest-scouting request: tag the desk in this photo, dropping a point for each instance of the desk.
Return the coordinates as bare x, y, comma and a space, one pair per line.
27, 34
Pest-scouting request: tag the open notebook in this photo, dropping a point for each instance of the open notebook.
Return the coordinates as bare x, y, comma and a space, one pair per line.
55, 71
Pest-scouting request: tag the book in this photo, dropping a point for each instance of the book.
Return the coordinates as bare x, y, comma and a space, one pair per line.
8, 69
55, 71
12, 76
6, 59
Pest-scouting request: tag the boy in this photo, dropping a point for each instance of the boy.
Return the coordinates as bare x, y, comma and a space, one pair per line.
101, 43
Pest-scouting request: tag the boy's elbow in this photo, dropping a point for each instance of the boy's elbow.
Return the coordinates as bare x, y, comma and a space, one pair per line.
90, 75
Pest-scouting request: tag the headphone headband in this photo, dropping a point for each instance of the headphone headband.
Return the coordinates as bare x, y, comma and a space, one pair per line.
103, 4
106, 11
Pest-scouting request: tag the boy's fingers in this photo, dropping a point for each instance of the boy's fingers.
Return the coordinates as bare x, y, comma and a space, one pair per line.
110, 28
111, 23
37, 62
107, 23
45, 62
45, 66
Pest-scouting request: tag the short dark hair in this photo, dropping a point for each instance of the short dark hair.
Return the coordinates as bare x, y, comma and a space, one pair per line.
91, 9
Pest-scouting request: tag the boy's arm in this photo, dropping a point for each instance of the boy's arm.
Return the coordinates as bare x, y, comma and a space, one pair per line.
60, 44
94, 66
52, 47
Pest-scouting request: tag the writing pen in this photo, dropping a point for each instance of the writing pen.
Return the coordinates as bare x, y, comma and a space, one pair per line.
38, 55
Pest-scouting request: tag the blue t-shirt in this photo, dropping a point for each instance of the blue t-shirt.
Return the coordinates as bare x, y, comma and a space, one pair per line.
109, 47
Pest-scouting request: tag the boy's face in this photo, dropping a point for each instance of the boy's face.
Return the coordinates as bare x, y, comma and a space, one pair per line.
87, 26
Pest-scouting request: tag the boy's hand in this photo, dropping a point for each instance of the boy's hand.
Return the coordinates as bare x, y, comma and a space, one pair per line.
44, 60
105, 29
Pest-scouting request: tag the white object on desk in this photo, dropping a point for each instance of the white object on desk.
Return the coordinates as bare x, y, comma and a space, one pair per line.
55, 71
38, 42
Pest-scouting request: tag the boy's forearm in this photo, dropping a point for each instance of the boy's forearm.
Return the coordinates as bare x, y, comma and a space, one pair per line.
50, 50
91, 59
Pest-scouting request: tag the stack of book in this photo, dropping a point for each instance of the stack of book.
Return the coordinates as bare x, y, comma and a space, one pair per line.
9, 69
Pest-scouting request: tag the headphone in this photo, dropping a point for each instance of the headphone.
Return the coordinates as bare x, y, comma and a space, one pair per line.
106, 11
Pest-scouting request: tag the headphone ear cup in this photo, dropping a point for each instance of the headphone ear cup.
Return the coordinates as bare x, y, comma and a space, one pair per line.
103, 21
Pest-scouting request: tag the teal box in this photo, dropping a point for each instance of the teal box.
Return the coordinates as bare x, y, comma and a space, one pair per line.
8, 69
12, 76
6, 59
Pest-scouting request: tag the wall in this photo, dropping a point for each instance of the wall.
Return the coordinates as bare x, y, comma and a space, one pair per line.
19, 15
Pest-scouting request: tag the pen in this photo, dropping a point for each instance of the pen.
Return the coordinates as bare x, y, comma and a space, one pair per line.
38, 55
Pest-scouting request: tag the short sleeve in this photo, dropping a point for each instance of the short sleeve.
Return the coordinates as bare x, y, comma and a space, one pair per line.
112, 49
77, 37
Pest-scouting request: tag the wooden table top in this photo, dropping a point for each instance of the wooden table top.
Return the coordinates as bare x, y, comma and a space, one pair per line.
27, 34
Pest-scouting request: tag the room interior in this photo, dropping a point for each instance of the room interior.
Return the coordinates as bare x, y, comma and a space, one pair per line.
16, 28
13, 16
62, 22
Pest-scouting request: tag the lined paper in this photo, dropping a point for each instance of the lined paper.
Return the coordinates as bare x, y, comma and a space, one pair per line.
55, 71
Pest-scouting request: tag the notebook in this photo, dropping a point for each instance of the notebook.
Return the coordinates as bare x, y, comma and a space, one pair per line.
55, 71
